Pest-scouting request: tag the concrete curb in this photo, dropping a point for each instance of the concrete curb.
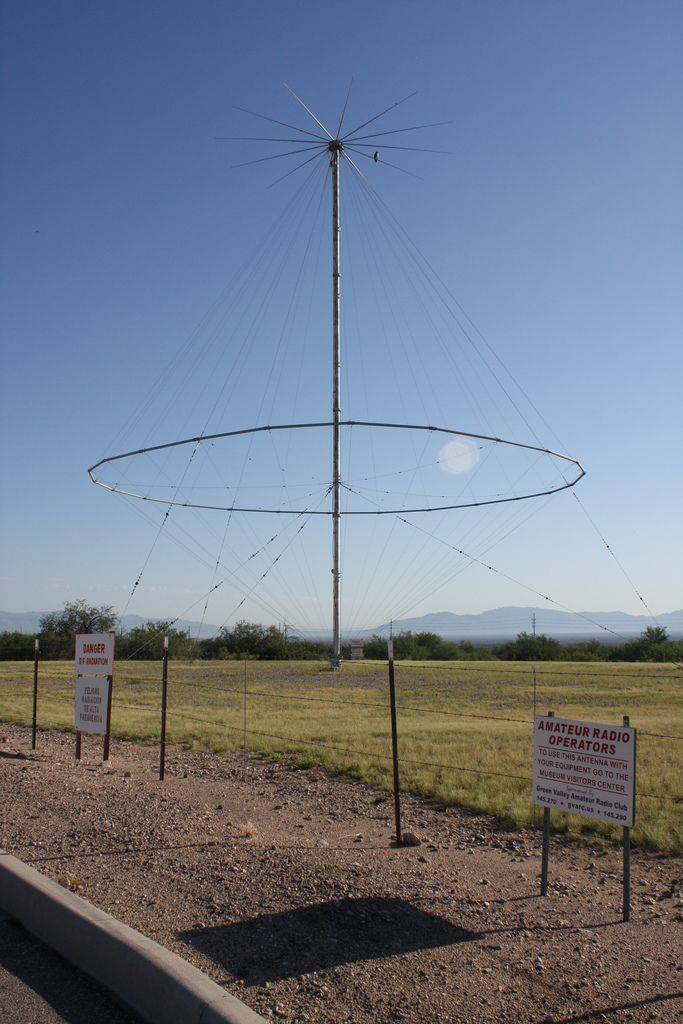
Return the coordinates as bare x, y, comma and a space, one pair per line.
159, 985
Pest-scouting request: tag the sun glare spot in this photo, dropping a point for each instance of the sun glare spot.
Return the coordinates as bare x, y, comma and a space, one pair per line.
459, 456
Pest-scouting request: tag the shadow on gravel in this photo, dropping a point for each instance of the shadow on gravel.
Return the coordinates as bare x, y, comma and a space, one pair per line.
273, 947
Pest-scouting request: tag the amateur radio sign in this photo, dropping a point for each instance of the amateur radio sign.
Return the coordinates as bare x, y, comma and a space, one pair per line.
585, 768
95, 655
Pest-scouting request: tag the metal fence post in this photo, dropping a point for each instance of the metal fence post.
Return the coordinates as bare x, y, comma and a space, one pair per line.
245, 750
164, 698
36, 658
545, 858
394, 743
534, 812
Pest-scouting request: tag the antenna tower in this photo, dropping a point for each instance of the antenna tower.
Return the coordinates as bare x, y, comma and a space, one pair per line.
336, 147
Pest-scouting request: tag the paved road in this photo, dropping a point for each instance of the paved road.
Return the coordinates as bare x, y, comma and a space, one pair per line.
38, 987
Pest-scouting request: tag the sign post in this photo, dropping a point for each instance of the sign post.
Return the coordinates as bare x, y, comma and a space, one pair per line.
94, 684
36, 659
626, 901
545, 855
107, 735
586, 768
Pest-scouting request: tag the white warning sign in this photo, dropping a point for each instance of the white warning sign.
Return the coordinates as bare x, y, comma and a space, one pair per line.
92, 698
585, 768
95, 654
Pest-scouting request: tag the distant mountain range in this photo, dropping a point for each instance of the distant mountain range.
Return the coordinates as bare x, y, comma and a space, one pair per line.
505, 622
492, 625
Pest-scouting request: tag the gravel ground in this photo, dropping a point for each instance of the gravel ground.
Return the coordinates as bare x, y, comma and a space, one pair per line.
38, 987
282, 885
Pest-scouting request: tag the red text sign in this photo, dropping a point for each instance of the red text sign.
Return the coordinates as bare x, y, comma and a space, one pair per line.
95, 655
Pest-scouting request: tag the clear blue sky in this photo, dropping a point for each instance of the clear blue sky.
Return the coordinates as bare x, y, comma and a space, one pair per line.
557, 221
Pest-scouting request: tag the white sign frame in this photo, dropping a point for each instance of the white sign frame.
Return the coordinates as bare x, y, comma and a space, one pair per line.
585, 768
94, 656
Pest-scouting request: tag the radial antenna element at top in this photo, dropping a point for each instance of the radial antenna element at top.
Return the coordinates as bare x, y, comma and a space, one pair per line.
308, 110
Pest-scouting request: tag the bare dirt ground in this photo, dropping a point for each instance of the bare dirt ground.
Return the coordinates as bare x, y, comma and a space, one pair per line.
282, 885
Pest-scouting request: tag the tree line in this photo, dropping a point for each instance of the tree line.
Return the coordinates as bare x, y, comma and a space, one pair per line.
653, 644
244, 640
256, 642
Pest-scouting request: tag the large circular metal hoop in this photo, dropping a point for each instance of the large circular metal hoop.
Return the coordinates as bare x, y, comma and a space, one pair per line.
325, 512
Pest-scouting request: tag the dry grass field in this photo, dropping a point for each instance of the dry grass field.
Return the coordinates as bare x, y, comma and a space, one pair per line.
457, 723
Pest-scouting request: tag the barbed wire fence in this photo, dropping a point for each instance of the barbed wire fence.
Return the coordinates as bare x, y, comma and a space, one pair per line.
230, 716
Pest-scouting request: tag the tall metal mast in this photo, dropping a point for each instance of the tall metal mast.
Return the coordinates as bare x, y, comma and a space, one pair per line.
335, 147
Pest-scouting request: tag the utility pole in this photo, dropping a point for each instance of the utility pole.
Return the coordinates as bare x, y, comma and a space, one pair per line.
533, 624
335, 147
